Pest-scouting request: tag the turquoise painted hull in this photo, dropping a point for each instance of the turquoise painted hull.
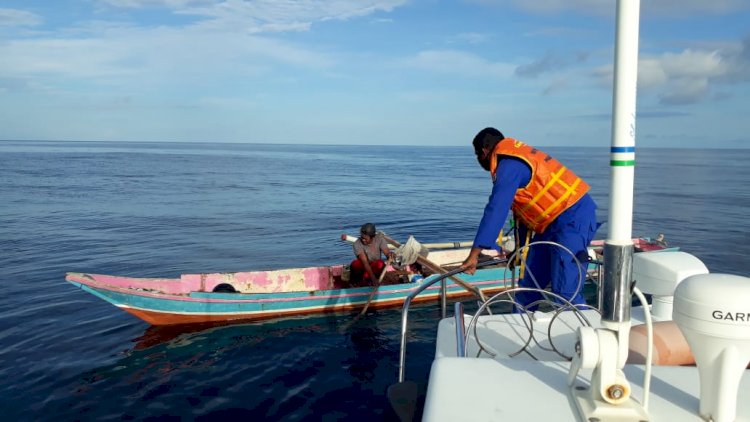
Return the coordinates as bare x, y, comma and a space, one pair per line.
270, 294
193, 307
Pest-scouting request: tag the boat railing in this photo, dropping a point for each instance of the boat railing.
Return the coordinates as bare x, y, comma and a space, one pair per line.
415, 293
458, 315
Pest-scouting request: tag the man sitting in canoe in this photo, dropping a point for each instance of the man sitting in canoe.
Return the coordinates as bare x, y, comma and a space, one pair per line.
366, 269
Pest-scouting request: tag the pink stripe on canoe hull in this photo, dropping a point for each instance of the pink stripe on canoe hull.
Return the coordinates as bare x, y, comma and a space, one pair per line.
170, 286
273, 281
93, 282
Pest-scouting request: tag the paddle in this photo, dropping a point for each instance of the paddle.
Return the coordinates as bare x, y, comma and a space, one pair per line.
369, 300
403, 399
443, 245
375, 289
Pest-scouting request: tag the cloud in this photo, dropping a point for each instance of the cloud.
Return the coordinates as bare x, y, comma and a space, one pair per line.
264, 15
172, 4
547, 63
692, 75
556, 85
653, 8
470, 38
661, 114
20, 85
15, 17
150, 58
552, 32
220, 53
737, 59
552, 63
684, 8
685, 91
689, 76
596, 7
460, 63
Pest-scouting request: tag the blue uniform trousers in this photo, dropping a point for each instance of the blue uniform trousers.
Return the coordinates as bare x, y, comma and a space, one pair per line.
575, 229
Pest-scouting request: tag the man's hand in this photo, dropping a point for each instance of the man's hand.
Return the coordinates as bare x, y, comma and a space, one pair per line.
469, 265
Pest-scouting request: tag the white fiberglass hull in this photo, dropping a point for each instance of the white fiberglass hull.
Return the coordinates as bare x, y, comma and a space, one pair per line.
465, 389
524, 389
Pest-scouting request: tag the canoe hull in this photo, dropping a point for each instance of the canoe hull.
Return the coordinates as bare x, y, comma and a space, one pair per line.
263, 295
167, 318
158, 308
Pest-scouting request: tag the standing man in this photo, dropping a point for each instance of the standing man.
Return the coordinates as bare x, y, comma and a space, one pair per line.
368, 265
549, 203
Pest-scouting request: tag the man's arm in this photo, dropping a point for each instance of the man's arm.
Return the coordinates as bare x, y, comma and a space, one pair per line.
366, 264
386, 250
512, 174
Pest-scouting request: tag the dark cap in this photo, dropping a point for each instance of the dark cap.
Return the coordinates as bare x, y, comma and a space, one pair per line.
487, 137
368, 229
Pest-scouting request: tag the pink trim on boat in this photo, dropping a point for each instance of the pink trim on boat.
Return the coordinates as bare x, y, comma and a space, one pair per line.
170, 286
94, 282
272, 281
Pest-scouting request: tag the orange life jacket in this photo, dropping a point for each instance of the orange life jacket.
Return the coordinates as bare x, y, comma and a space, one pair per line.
553, 188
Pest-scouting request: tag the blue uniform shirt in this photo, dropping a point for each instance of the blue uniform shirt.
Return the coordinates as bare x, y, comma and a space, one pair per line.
513, 174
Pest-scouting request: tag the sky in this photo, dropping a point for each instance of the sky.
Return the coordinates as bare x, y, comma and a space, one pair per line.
374, 72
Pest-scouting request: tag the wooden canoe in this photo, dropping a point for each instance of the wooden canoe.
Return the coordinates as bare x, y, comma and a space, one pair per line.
257, 295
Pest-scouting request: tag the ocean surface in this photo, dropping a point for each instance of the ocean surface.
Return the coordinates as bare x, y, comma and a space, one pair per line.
162, 209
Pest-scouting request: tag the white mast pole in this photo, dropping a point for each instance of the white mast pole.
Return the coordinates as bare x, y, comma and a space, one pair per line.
608, 397
618, 245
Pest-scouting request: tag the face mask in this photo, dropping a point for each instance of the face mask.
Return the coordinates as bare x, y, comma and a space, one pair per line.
484, 160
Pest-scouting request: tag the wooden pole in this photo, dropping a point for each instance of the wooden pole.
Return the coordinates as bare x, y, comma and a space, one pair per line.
375, 289
443, 245
438, 269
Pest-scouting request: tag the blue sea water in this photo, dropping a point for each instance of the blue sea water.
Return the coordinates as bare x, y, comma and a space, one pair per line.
162, 209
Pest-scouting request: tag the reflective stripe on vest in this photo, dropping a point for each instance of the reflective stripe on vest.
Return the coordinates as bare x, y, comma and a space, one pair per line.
553, 188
